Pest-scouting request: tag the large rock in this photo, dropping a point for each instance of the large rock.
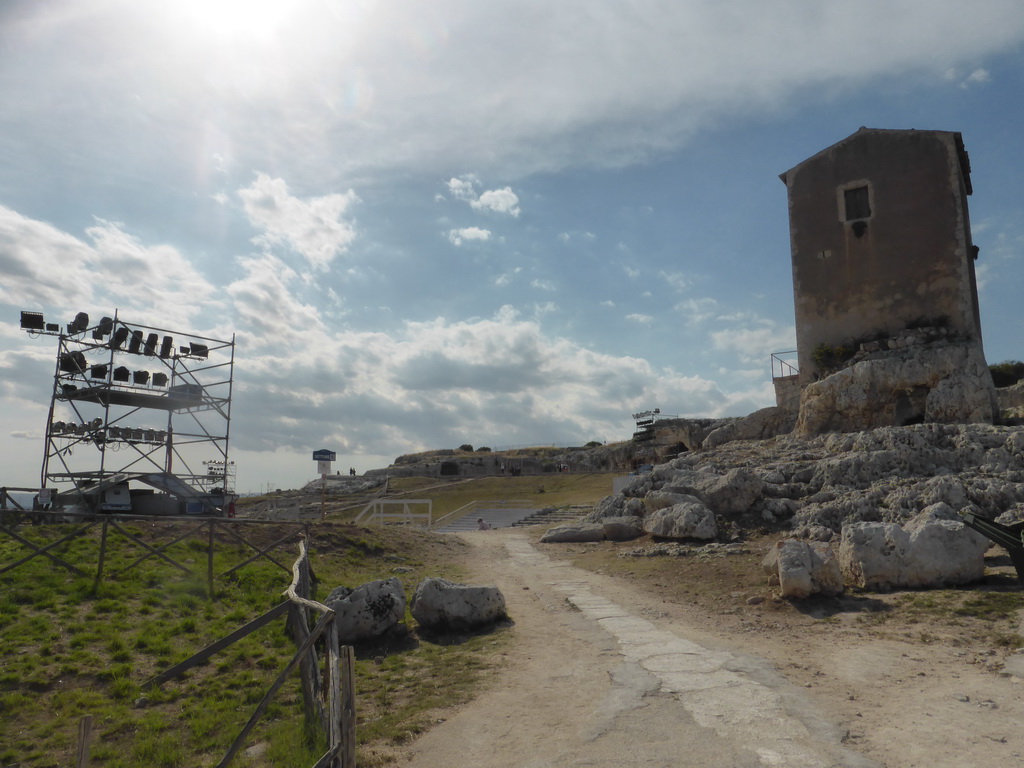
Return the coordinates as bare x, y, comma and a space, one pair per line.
762, 424
934, 549
574, 532
622, 528
443, 606
804, 568
367, 611
729, 494
947, 383
686, 520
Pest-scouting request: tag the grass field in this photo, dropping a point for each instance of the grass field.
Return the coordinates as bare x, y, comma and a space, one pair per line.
67, 651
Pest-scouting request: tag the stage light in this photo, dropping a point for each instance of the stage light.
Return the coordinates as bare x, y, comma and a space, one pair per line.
32, 321
122, 374
104, 328
151, 344
141, 377
53, 328
159, 379
98, 371
199, 350
167, 347
72, 362
118, 339
79, 324
136, 343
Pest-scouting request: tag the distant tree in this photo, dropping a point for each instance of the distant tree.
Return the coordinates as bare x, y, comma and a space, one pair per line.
483, 449
593, 444
1007, 373
466, 447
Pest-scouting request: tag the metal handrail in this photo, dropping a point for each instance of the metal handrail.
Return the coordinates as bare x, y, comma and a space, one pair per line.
784, 367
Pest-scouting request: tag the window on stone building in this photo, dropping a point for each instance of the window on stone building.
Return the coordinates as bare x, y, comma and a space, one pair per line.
857, 203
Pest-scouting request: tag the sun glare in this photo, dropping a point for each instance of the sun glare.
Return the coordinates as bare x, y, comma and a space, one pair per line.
242, 19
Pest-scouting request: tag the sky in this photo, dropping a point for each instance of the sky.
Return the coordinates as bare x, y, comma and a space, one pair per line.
430, 224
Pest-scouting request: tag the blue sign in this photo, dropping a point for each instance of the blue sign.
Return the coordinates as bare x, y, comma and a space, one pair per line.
324, 455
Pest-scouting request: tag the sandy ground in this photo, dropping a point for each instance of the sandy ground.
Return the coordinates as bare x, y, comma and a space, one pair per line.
604, 672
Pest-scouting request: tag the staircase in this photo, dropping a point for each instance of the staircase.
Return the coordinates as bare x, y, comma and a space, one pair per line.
500, 515
555, 516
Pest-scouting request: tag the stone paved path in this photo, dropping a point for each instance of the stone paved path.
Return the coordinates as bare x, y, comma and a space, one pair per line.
591, 682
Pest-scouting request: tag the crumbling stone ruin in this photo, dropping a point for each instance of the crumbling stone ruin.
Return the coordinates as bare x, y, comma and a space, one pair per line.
885, 294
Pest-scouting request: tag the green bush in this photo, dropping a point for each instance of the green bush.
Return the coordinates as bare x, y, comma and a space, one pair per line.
830, 359
466, 447
1007, 373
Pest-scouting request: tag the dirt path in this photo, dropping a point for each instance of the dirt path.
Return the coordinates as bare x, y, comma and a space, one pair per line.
600, 674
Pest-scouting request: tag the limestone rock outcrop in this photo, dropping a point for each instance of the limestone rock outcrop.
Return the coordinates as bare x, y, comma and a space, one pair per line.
767, 422
574, 532
934, 549
443, 606
802, 568
686, 519
942, 383
367, 611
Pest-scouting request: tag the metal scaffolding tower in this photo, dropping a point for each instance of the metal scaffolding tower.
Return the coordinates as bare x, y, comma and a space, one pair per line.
136, 402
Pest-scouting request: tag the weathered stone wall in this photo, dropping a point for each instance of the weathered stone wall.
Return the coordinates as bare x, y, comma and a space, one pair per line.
910, 258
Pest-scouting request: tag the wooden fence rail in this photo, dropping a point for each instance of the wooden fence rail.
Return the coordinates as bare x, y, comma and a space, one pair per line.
73, 526
334, 709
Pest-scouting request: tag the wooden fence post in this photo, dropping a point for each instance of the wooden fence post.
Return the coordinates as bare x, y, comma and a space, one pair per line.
348, 707
209, 563
102, 557
334, 708
84, 737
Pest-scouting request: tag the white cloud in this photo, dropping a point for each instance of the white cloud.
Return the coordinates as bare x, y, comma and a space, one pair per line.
506, 278
562, 86
459, 236
543, 285
976, 77
608, 303
631, 272
315, 228
641, 319
45, 267
463, 188
754, 344
696, 311
498, 200
676, 280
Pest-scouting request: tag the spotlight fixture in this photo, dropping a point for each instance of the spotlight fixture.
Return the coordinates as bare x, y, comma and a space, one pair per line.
32, 321
119, 337
166, 348
98, 371
104, 328
79, 324
72, 362
159, 379
53, 328
199, 350
122, 374
151, 344
141, 377
136, 343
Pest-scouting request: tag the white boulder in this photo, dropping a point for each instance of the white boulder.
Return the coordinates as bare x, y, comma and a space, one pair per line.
444, 606
804, 568
685, 520
578, 532
933, 549
367, 611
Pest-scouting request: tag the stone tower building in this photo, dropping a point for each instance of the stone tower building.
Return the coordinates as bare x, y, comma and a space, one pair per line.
883, 274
